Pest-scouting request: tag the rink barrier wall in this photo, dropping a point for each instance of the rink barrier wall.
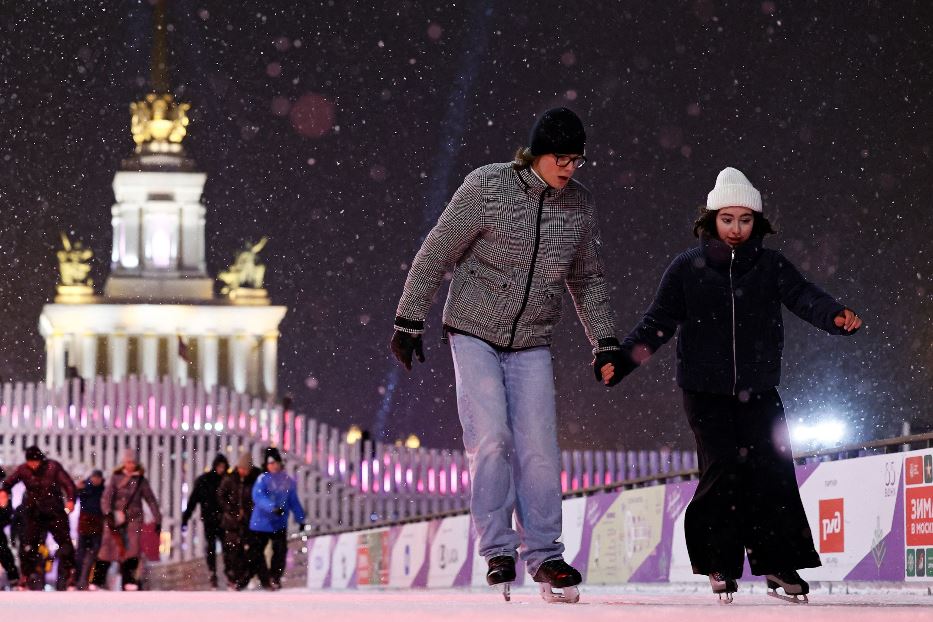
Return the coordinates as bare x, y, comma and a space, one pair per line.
871, 516
632, 531
178, 429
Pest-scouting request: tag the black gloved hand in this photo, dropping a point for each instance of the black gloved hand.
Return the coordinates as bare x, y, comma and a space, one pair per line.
279, 511
158, 528
404, 345
620, 360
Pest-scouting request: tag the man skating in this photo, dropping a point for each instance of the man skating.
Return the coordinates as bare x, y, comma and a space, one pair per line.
515, 235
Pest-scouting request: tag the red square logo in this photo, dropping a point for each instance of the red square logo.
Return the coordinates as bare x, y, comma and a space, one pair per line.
832, 526
914, 469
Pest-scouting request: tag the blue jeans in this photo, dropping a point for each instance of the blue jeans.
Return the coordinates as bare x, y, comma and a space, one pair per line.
508, 413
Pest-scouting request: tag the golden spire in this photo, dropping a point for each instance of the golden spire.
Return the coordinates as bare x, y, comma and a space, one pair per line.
159, 124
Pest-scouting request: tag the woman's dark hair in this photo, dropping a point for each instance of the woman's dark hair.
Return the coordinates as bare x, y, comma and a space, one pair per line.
706, 223
523, 159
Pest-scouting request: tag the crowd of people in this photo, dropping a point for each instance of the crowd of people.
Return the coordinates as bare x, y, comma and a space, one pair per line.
244, 508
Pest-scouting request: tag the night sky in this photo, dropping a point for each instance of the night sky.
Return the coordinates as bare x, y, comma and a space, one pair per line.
339, 130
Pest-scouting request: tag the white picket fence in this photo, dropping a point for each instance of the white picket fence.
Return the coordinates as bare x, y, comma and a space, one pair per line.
179, 428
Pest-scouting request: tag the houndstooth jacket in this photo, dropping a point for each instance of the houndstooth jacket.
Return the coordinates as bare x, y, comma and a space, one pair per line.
513, 243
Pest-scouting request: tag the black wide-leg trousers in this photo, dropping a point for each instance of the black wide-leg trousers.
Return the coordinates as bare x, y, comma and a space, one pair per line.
747, 501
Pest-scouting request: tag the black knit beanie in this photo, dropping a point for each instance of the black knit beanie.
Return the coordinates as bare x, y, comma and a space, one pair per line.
271, 453
34, 453
220, 459
559, 130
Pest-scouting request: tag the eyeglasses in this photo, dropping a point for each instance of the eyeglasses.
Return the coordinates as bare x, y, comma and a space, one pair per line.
566, 160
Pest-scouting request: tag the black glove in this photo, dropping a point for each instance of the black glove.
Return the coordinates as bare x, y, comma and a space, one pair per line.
404, 345
620, 360
158, 528
279, 511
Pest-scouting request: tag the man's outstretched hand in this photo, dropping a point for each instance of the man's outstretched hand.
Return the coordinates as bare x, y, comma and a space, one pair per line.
848, 321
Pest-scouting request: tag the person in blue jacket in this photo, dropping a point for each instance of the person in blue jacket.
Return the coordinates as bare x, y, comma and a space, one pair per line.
724, 298
274, 496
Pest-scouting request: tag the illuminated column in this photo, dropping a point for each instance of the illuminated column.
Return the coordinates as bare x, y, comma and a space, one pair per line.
178, 365
149, 358
55, 351
88, 361
270, 345
119, 356
253, 356
208, 354
239, 362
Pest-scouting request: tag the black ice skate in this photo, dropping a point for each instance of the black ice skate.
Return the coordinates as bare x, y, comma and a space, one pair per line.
794, 587
501, 572
723, 586
556, 573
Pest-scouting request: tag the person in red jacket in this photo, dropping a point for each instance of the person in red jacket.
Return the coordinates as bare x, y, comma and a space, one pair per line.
50, 497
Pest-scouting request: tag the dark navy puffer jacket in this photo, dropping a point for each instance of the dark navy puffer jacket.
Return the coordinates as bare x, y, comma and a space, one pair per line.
727, 304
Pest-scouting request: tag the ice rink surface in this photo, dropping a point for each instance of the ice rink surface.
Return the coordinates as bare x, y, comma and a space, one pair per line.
596, 605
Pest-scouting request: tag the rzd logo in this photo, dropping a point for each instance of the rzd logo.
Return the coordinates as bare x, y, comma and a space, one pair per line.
832, 526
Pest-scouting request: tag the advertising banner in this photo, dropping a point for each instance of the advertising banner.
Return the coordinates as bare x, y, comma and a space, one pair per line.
409, 554
319, 557
343, 561
450, 552
851, 507
372, 558
627, 534
918, 515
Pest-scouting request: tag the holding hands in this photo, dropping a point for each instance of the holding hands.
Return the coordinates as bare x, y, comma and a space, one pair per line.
611, 366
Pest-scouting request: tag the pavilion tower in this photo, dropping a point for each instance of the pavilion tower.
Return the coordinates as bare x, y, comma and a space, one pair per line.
158, 315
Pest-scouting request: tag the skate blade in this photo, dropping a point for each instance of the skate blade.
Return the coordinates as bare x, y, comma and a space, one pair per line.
726, 598
505, 588
567, 595
799, 599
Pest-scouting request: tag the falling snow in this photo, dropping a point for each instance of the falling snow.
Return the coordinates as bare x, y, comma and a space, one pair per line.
339, 130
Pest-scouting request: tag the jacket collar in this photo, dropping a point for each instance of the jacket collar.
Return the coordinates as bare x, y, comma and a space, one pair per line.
533, 185
718, 254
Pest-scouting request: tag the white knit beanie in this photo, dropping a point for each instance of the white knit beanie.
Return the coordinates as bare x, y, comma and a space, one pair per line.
733, 190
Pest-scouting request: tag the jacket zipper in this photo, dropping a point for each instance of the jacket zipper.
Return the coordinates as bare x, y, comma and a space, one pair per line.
531, 270
735, 362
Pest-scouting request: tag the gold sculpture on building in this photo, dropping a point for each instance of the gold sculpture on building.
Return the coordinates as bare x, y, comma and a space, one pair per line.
74, 267
243, 281
159, 122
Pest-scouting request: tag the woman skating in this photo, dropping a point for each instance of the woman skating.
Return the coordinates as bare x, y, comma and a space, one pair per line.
726, 296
